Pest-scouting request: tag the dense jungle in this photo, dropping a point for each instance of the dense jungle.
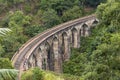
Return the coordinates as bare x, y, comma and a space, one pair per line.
98, 58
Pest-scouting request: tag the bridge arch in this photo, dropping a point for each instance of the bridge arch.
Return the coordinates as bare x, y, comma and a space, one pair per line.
31, 61
65, 47
46, 56
74, 37
55, 46
56, 53
94, 22
85, 30
38, 54
59, 36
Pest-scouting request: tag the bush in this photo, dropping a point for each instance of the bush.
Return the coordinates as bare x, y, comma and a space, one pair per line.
27, 8
33, 30
5, 63
33, 74
73, 13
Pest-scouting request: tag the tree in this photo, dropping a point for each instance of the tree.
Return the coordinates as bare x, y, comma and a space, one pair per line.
109, 14
101, 59
16, 21
50, 18
72, 13
33, 74
3, 32
109, 11
94, 3
5, 63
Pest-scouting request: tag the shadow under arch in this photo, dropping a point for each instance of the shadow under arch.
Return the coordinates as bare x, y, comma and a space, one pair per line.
40, 51
55, 38
48, 57
65, 48
64, 36
74, 36
94, 23
31, 61
56, 58
83, 29
39, 57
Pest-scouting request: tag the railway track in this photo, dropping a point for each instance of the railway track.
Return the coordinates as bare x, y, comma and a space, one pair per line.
26, 49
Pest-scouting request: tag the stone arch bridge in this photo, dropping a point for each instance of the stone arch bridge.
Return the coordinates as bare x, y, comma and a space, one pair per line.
49, 49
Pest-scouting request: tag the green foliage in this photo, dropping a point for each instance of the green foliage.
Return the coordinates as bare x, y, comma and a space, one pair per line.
26, 18
33, 74
27, 8
94, 3
27, 75
5, 63
73, 13
1, 49
109, 12
37, 74
16, 21
3, 31
99, 58
50, 18
79, 61
103, 63
34, 30
44, 14
58, 5
10, 43
8, 74
71, 77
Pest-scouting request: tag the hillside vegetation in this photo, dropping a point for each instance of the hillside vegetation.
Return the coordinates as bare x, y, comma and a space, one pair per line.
98, 58
37, 74
26, 18
99, 55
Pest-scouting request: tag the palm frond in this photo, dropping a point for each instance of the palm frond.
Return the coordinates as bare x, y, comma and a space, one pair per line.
3, 31
8, 74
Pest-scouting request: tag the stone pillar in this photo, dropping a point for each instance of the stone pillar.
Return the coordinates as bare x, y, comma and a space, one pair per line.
51, 59
66, 48
79, 35
56, 56
31, 61
60, 51
46, 61
75, 39
38, 56
82, 31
